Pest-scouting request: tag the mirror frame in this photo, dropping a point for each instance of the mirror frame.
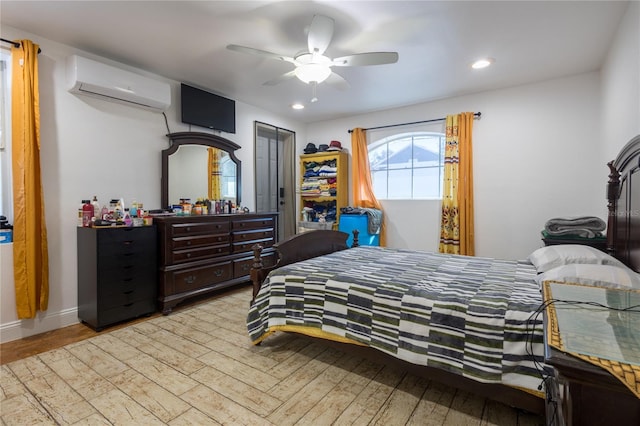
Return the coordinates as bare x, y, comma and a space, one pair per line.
196, 138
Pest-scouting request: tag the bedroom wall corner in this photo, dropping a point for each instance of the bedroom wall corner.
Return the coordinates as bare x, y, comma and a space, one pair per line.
620, 83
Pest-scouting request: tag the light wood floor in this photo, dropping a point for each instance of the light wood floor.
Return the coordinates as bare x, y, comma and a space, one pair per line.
196, 366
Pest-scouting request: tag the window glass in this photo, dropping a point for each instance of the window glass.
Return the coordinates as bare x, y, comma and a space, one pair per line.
408, 166
6, 204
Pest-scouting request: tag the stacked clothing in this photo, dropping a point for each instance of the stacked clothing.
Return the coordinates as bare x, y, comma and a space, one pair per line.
584, 227
319, 179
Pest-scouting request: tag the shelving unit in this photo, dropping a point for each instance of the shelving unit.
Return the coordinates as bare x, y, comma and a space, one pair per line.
326, 190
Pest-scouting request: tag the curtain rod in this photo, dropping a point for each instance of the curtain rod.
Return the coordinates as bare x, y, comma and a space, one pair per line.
15, 43
476, 115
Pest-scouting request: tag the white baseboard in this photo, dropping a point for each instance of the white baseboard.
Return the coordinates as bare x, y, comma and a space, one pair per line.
29, 327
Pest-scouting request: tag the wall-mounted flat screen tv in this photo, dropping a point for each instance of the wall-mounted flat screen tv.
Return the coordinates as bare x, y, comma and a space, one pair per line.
205, 109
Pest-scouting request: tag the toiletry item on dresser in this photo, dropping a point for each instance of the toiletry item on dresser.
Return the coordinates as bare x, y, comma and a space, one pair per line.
127, 218
87, 213
96, 207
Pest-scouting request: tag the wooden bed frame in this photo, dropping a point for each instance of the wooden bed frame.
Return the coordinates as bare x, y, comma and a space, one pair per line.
623, 241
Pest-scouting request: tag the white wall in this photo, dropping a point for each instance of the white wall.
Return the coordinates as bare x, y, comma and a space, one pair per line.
93, 147
621, 85
535, 157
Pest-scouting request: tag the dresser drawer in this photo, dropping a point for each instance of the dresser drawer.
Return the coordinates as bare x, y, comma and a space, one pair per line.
195, 278
126, 311
260, 234
125, 242
189, 255
110, 278
199, 228
132, 258
246, 246
126, 292
199, 241
263, 222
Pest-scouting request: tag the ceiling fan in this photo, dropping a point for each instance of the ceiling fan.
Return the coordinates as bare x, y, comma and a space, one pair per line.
312, 66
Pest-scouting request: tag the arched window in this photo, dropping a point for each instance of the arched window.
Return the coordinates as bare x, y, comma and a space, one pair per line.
408, 166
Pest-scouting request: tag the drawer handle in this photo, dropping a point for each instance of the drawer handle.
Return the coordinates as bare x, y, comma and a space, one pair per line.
245, 268
219, 238
188, 229
127, 243
188, 243
218, 272
219, 250
128, 292
190, 279
188, 254
128, 305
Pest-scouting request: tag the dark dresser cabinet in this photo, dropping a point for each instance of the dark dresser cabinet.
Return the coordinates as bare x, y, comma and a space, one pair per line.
200, 254
117, 274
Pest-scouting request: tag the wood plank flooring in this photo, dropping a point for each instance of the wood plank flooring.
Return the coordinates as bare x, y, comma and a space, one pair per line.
197, 366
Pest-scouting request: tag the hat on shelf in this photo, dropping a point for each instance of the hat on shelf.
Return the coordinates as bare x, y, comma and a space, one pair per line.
310, 148
323, 147
335, 146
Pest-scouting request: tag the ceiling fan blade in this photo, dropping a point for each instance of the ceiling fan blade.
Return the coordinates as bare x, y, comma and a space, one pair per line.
280, 79
370, 58
337, 81
252, 51
320, 34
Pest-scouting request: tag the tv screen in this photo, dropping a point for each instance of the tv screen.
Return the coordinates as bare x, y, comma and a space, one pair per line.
205, 109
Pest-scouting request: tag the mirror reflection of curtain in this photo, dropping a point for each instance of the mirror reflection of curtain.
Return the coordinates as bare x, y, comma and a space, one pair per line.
214, 174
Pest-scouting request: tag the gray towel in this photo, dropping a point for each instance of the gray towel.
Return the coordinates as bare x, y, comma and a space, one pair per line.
374, 220
584, 226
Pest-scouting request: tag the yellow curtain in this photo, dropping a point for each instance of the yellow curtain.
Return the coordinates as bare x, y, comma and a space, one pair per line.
214, 173
363, 195
30, 252
456, 229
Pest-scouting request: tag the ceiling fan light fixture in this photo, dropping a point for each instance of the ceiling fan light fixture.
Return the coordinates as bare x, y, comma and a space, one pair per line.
297, 106
313, 72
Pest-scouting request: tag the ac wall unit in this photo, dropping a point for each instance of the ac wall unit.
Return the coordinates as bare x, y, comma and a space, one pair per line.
95, 79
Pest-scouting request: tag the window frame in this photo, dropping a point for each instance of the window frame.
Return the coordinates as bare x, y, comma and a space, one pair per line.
6, 178
411, 137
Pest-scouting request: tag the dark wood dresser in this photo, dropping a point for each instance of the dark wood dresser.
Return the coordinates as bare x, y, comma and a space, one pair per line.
200, 254
117, 274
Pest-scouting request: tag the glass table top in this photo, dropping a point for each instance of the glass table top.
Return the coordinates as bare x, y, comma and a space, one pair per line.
599, 322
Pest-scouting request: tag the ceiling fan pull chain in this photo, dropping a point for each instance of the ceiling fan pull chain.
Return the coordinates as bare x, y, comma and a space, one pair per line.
314, 87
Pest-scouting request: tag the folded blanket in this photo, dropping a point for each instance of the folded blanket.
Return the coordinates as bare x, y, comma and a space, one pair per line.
584, 226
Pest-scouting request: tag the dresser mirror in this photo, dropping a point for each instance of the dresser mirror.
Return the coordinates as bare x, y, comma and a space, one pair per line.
200, 165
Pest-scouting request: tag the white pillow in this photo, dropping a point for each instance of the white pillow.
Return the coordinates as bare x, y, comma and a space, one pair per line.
549, 257
593, 275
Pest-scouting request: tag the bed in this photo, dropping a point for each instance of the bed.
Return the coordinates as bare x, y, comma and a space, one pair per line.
465, 321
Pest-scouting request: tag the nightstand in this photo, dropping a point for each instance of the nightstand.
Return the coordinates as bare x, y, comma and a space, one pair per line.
581, 341
597, 242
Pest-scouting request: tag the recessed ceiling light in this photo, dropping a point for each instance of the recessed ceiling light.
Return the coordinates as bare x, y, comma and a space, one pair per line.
297, 106
482, 63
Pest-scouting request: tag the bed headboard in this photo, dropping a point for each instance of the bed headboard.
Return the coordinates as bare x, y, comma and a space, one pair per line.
623, 196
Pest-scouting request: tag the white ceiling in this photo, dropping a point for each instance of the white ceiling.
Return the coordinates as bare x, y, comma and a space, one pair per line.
436, 42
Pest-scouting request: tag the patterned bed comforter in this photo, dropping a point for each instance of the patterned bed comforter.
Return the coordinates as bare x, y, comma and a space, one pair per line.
466, 315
